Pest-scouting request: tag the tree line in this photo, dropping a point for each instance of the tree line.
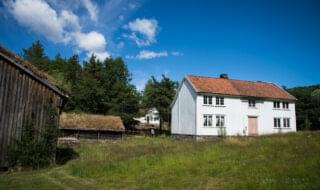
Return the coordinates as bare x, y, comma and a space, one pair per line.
103, 87
307, 106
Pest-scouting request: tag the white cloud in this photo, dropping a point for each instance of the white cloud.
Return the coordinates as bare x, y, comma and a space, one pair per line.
92, 41
176, 53
69, 19
143, 31
40, 17
145, 54
91, 8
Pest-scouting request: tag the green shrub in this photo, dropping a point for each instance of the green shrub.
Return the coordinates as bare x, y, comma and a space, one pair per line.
36, 149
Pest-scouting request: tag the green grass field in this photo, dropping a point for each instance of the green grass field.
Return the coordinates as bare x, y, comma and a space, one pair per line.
289, 161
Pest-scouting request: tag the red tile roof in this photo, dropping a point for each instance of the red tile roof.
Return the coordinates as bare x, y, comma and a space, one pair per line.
238, 88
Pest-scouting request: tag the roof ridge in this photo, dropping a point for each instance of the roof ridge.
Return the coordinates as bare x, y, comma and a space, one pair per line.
230, 79
239, 87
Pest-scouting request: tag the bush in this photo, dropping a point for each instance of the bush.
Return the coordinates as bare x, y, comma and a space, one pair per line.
36, 149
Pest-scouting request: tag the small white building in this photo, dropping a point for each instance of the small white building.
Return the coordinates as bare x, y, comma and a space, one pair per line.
151, 117
207, 106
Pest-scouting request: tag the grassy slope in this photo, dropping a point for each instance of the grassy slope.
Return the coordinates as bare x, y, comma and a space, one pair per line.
289, 161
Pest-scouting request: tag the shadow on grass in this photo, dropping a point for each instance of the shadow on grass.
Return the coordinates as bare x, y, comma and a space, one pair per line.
65, 154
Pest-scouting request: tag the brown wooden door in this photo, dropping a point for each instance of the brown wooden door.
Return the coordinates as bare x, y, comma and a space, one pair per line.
253, 125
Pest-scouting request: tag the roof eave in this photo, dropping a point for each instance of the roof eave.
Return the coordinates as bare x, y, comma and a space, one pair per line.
185, 78
241, 96
30, 73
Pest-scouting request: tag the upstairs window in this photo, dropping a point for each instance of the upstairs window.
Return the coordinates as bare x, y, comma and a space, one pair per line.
285, 105
286, 122
276, 123
276, 105
219, 101
207, 120
220, 122
252, 103
207, 100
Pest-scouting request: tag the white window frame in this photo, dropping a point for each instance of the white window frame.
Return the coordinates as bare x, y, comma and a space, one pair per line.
252, 103
285, 105
286, 122
276, 105
220, 101
207, 120
207, 100
277, 122
220, 121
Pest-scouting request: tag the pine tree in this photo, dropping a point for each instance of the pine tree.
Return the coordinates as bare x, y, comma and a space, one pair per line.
36, 55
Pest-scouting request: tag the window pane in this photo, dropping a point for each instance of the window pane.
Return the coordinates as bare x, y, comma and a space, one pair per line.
222, 101
210, 100
204, 120
217, 101
222, 121
217, 121
210, 120
204, 99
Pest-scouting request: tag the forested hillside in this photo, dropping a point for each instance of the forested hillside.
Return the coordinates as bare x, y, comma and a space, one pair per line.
307, 106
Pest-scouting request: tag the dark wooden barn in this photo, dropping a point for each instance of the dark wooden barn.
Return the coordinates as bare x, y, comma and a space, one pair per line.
26, 96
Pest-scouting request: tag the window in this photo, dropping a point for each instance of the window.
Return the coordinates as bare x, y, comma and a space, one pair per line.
286, 122
220, 121
207, 120
252, 103
219, 100
207, 100
276, 104
276, 123
285, 105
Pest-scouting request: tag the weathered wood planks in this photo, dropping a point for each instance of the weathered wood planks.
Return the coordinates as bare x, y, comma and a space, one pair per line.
23, 99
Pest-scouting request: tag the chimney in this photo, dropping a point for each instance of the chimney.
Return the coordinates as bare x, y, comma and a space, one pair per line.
224, 76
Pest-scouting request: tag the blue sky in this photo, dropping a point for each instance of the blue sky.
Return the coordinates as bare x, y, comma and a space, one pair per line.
274, 41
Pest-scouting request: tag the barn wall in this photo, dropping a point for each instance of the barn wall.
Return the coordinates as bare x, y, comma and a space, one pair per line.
23, 100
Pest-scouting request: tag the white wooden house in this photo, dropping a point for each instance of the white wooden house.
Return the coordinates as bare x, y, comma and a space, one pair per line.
151, 117
207, 106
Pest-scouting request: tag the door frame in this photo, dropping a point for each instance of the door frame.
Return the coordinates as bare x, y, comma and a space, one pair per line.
257, 129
